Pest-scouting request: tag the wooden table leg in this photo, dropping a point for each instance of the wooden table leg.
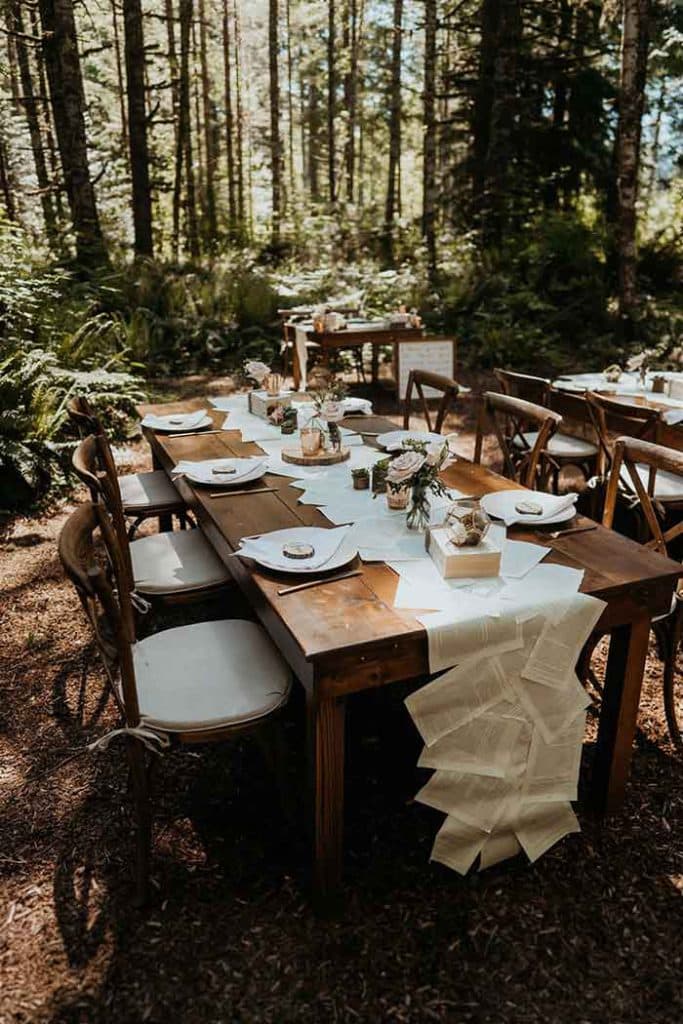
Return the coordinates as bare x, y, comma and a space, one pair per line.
296, 365
375, 363
617, 729
326, 721
166, 521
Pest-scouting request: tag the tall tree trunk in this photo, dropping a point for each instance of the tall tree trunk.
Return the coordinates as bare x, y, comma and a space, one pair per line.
429, 139
395, 112
118, 63
351, 95
483, 99
331, 102
275, 139
239, 112
137, 127
5, 186
229, 122
501, 165
209, 127
314, 133
174, 73
60, 47
634, 50
198, 150
28, 100
55, 177
290, 100
184, 149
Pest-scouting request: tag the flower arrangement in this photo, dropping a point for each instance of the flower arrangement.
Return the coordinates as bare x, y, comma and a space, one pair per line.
417, 470
330, 409
257, 371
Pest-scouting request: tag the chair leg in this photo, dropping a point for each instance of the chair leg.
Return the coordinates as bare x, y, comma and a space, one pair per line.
133, 528
143, 840
669, 681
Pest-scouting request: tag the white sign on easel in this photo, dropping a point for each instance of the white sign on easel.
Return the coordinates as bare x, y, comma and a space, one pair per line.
434, 356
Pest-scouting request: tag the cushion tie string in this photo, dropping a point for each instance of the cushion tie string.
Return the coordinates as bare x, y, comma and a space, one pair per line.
140, 603
141, 732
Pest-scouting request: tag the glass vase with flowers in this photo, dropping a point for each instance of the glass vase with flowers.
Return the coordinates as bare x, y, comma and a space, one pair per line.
416, 471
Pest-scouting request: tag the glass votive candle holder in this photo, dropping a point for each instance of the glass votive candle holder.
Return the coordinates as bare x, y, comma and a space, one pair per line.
311, 440
399, 499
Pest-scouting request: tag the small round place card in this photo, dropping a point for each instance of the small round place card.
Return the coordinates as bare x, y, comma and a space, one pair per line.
298, 550
529, 508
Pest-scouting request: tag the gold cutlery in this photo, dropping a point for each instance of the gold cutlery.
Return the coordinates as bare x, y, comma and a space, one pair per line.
572, 529
196, 433
246, 490
318, 583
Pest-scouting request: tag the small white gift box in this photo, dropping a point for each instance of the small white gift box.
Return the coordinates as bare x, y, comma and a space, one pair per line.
464, 562
262, 404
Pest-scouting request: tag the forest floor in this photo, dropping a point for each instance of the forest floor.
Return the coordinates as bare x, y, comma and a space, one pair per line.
591, 932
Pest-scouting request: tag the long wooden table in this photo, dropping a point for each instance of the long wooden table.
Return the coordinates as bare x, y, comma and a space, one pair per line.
348, 637
573, 408
330, 341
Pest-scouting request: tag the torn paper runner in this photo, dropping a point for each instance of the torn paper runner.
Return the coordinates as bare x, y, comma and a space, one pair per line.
504, 728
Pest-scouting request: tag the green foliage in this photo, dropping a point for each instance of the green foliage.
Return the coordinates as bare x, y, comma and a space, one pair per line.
52, 347
539, 304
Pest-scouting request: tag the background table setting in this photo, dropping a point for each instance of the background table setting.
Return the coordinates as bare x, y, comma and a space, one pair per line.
500, 651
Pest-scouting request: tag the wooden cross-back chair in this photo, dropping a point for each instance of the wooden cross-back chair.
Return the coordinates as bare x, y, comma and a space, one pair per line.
563, 449
523, 385
420, 379
505, 416
612, 419
173, 567
632, 455
143, 495
192, 684
83, 416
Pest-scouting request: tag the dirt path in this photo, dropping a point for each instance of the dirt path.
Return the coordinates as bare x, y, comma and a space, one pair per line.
592, 932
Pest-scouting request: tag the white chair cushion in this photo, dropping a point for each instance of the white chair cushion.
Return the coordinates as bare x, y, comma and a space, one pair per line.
563, 445
668, 486
208, 675
175, 561
139, 490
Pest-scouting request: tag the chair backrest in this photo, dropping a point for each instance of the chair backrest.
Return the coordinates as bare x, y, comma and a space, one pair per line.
628, 453
496, 413
83, 416
420, 379
109, 609
94, 464
612, 418
524, 386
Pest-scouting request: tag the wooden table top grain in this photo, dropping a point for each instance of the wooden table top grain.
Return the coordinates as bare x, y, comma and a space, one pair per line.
348, 637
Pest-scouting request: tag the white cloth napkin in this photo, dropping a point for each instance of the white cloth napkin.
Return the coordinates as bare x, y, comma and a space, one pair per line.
188, 420
204, 470
268, 547
673, 417
357, 405
553, 505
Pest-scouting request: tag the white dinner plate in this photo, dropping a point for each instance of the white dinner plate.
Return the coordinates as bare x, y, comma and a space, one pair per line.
227, 481
165, 425
345, 553
500, 503
395, 439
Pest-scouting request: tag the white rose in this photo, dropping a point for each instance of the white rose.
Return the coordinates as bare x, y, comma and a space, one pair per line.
332, 412
259, 371
405, 467
436, 453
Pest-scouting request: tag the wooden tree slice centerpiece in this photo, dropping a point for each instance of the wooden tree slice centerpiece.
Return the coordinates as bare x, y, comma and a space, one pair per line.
321, 458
